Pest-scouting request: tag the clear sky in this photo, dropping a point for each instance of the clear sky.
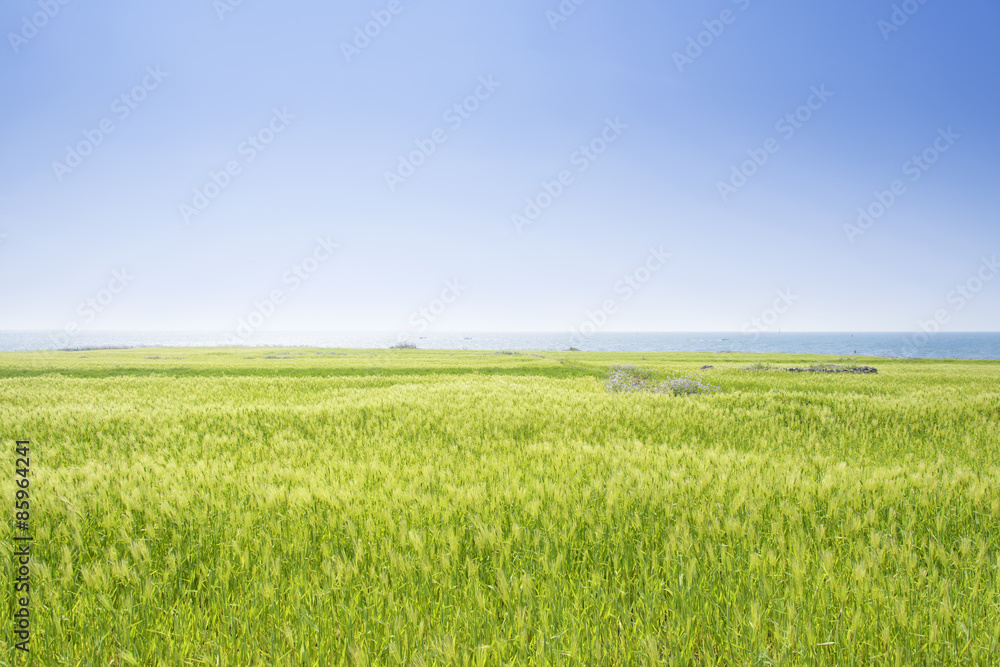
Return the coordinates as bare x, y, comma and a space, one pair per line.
714, 153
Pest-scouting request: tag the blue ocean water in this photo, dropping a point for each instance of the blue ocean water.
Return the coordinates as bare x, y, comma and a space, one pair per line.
937, 345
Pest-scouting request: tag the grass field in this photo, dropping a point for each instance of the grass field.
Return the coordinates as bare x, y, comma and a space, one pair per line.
412, 507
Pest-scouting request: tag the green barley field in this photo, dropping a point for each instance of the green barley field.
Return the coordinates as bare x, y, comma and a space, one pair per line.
410, 507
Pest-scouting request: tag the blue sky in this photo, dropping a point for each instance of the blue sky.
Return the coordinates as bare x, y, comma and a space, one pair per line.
642, 108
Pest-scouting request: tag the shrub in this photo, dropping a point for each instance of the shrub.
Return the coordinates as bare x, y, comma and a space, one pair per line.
758, 366
631, 378
683, 386
623, 379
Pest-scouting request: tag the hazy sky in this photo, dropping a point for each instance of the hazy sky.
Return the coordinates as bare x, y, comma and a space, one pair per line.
502, 165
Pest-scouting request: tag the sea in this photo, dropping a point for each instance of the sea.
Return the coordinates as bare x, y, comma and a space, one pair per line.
937, 345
